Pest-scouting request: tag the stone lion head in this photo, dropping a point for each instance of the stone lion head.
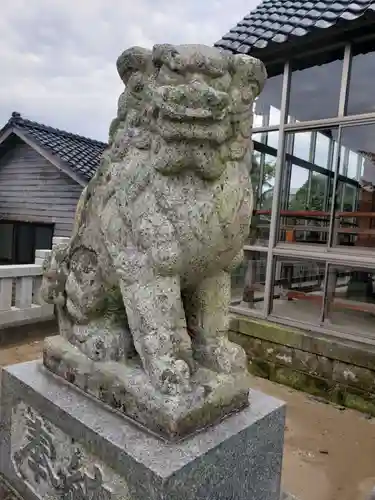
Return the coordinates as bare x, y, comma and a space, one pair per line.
191, 105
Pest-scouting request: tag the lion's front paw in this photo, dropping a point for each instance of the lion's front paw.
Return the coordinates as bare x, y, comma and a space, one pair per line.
171, 376
222, 356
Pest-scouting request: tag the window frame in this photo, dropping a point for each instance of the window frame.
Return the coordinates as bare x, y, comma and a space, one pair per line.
331, 255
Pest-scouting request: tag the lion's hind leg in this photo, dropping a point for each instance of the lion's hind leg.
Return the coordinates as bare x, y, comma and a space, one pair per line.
99, 323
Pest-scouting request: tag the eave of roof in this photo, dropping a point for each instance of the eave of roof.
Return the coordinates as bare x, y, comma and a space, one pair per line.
278, 30
75, 155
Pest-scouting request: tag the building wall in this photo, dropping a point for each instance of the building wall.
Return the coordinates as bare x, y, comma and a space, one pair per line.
34, 190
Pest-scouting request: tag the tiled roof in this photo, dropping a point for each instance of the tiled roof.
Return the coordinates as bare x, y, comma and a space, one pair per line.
275, 22
80, 154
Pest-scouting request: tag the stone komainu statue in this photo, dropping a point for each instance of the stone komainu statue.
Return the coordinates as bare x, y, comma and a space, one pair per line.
159, 227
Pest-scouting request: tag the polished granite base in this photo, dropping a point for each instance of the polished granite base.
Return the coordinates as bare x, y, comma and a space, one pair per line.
55, 441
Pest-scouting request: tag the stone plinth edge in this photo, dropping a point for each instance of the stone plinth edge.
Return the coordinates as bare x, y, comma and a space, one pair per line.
53, 437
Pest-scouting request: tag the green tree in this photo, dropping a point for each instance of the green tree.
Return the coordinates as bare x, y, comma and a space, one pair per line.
317, 191
299, 200
263, 194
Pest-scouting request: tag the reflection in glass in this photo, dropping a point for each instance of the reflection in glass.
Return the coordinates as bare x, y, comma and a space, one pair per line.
299, 187
267, 105
298, 289
263, 180
350, 300
354, 221
272, 139
344, 155
315, 91
264, 166
248, 281
353, 164
302, 145
322, 149
349, 202
307, 187
361, 97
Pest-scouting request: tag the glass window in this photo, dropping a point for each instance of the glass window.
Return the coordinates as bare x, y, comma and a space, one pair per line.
315, 91
272, 139
298, 289
248, 281
268, 183
302, 144
6, 242
263, 181
349, 198
361, 166
323, 145
361, 98
344, 156
267, 105
307, 186
352, 197
353, 163
43, 237
350, 300
25, 243
298, 191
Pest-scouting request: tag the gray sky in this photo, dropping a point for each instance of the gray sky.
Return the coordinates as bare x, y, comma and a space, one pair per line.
57, 57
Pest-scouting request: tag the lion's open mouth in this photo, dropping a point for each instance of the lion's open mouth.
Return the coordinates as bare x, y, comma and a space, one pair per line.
193, 111
178, 112
194, 101
181, 130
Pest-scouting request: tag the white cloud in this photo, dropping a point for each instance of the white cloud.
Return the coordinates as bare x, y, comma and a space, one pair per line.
57, 57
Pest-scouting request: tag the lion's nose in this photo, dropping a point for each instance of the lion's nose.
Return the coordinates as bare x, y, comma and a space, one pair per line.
208, 96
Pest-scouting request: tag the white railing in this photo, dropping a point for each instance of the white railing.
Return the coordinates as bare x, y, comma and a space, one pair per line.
20, 302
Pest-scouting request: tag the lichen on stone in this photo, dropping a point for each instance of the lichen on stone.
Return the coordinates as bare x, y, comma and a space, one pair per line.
164, 219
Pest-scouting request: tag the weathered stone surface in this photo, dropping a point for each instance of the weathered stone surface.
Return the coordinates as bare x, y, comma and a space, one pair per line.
146, 273
342, 372
56, 441
350, 352
7, 492
354, 376
127, 389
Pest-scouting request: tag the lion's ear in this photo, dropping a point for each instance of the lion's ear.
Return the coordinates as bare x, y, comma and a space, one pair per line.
250, 72
132, 60
161, 53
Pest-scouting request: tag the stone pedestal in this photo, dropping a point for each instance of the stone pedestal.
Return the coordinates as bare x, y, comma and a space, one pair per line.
58, 443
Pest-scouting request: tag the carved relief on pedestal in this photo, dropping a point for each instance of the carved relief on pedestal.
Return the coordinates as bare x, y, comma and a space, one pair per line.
54, 466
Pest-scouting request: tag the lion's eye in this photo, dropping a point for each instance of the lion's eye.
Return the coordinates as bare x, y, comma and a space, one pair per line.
138, 87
